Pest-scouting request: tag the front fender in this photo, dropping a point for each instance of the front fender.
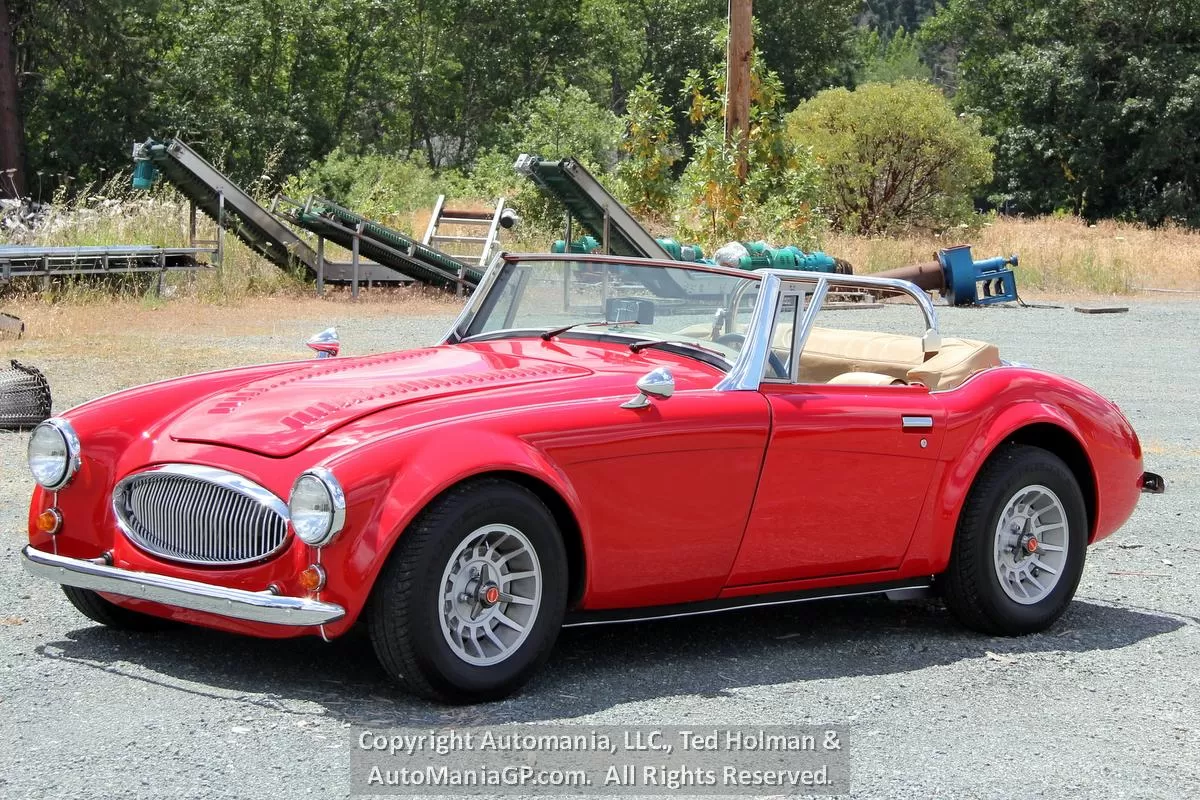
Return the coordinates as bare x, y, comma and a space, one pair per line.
390, 481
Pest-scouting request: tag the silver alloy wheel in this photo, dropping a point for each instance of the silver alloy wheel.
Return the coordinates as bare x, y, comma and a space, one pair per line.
491, 593
1031, 544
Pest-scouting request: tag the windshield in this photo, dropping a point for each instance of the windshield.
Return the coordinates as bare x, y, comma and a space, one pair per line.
601, 299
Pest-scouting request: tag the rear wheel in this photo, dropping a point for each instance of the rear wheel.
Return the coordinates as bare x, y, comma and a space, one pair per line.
111, 615
473, 596
1019, 549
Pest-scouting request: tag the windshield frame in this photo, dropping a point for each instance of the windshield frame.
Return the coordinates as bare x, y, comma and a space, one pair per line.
745, 373
480, 297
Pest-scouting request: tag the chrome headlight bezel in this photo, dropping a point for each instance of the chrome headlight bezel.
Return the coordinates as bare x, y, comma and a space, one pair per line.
56, 426
328, 490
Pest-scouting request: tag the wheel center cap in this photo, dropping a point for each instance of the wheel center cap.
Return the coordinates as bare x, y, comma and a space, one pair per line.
489, 594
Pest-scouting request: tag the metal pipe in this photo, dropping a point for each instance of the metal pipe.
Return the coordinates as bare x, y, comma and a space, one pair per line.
929, 275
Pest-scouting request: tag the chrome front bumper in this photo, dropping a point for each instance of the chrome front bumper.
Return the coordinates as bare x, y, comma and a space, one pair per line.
235, 603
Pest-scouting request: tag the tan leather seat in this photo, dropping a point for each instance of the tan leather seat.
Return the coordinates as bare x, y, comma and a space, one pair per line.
858, 357
830, 353
957, 360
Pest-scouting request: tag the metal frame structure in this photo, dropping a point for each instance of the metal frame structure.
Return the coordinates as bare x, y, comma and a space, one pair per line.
592, 205
227, 204
401, 256
487, 244
49, 262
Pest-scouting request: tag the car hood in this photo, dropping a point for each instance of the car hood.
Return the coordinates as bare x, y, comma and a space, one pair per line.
280, 415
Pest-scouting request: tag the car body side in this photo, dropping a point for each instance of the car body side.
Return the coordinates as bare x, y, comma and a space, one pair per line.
627, 487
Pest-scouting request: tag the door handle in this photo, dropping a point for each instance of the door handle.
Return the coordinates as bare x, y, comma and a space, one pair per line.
916, 423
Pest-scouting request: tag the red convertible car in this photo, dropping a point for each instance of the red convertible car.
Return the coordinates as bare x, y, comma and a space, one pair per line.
597, 439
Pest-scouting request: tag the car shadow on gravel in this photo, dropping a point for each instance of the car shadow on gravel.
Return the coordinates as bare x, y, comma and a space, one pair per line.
595, 668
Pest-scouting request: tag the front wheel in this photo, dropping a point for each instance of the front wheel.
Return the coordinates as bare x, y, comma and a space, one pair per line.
1020, 544
473, 596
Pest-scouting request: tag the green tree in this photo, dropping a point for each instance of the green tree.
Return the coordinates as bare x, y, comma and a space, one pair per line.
1094, 104
650, 151
887, 60
808, 43
895, 156
778, 198
80, 76
558, 122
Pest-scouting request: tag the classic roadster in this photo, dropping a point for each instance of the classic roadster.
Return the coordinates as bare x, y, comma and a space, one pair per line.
590, 443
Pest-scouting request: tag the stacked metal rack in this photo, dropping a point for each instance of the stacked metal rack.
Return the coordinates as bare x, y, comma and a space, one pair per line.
49, 262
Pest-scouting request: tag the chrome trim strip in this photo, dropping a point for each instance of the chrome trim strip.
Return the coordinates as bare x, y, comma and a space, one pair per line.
806, 326
233, 603
921, 423
761, 603
478, 294
747, 370
635, 261
195, 531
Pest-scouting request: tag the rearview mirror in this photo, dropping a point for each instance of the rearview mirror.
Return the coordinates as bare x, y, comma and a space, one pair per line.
658, 383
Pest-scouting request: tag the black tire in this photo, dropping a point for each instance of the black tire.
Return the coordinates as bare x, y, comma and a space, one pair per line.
404, 613
970, 585
111, 615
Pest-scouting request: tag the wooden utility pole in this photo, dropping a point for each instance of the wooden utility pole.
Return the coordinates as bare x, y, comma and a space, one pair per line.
737, 77
12, 155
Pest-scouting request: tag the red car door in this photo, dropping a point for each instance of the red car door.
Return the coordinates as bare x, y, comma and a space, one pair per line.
665, 490
846, 473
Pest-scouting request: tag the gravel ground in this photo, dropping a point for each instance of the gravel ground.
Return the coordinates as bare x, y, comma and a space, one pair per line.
1103, 705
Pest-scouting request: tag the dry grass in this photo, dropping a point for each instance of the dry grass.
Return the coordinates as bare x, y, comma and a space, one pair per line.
1057, 255
125, 326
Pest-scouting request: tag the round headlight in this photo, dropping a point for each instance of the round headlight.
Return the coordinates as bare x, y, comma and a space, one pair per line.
53, 453
317, 507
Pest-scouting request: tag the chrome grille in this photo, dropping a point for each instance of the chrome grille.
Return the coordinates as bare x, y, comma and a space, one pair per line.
200, 515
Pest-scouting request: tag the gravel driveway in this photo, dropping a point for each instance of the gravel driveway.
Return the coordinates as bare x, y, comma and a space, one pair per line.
1103, 705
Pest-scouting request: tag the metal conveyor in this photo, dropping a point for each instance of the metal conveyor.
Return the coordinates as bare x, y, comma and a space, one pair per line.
46, 262
231, 207
384, 245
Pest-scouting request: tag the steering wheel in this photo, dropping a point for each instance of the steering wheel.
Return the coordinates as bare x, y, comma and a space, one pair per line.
737, 340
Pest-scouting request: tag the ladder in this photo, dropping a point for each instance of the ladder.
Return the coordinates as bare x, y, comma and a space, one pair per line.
469, 249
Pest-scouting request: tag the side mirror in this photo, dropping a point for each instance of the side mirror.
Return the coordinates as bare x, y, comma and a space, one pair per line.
658, 383
325, 343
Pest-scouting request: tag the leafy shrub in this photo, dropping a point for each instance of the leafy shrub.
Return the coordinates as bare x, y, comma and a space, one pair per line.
373, 185
895, 156
646, 182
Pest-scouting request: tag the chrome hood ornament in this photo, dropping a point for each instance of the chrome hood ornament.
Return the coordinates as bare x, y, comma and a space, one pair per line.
326, 343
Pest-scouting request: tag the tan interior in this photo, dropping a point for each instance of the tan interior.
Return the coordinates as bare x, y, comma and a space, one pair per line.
829, 354
867, 358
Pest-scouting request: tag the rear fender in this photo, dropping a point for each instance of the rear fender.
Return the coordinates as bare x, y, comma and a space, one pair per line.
930, 554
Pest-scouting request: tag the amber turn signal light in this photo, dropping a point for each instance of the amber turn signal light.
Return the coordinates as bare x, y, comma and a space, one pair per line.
313, 578
49, 521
